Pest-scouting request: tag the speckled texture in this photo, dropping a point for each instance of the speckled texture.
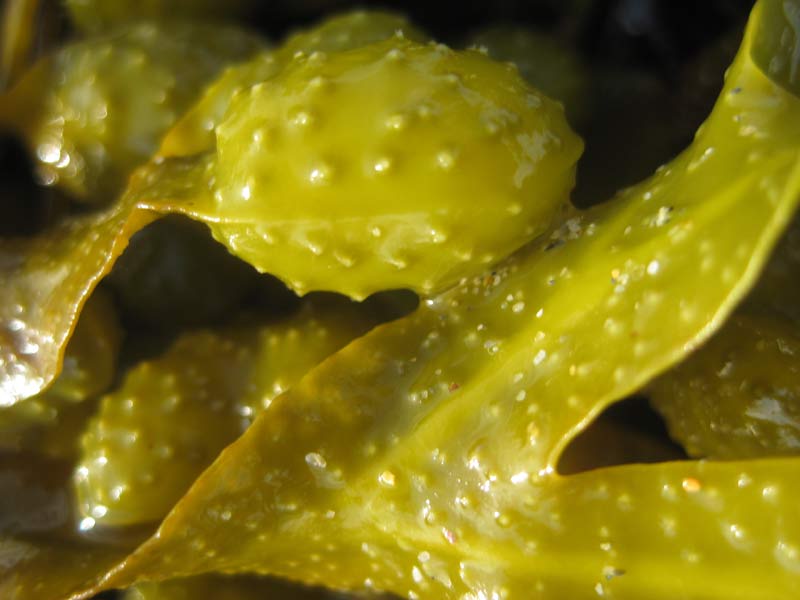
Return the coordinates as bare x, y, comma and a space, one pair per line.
397, 165
547, 64
90, 359
427, 449
50, 422
49, 276
429, 245
40, 559
422, 457
93, 125
46, 281
739, 395
194, 132
173, 415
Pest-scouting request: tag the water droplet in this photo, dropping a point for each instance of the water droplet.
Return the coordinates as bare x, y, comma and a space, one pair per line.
117, 491
29, 348
437, 236
320, 174
394, 54
345, 260
769, 493
503, 520
788, 556
539, 357
445, 159
491, 346
707, 153
691, 485
382, 165
690, 556
521, 477
396, 122
316, 460
49, 152
387, 479
301, 118
599, 589
624, 502
317, 82
416, 575
669, 526
735, 534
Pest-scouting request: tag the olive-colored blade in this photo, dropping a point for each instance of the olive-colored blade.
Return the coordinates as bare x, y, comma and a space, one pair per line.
51, 422
469, 162
721, 530
421, 458
41, 557
46, 281
45, 292
739, 395
48, 277
46, 568
545, 62
172, 416
194, 131
94, 110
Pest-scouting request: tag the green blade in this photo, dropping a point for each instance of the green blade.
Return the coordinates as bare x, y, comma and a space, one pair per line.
737, 397
41, 557
46, 281
420, 459
50, 423
194, 131
96, 109
173, 415
39, 306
